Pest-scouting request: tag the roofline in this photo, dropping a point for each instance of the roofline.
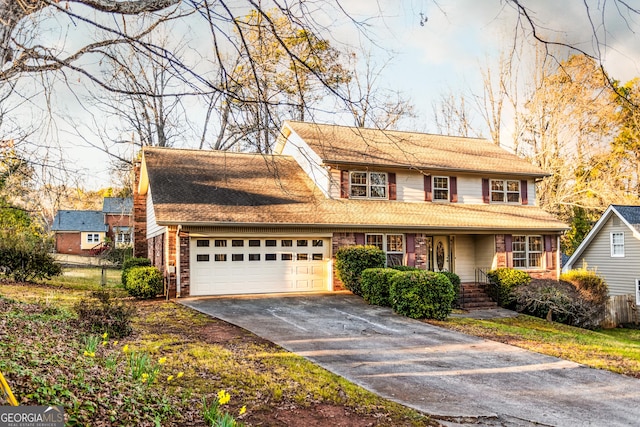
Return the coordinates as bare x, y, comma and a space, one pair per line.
595, 230
388, 130
434, 168
343, 225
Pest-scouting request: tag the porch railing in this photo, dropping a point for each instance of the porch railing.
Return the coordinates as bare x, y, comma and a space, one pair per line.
481, 275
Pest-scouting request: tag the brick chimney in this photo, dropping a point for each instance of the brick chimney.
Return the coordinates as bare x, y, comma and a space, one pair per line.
140, 248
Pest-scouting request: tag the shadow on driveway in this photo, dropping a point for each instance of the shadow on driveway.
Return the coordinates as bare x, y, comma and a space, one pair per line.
454, 377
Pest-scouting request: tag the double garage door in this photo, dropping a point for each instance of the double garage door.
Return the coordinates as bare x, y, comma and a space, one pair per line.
235, 265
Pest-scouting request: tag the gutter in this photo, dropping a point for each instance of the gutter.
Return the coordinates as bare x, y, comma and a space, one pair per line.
370, 226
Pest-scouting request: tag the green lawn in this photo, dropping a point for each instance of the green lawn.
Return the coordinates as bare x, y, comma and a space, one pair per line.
617, 350
160, 374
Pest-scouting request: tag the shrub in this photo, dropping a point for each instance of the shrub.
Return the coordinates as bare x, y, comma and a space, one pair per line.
103, 313
25, 257
130, 263
591, 286
404, 268
144, 282
421, 294
455, 281
559, 301
375, 283
502, 283
351, 261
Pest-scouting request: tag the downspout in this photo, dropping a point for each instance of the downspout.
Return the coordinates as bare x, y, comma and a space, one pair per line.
178, 260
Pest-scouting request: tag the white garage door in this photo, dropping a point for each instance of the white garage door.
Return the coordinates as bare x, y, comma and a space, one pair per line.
225, 265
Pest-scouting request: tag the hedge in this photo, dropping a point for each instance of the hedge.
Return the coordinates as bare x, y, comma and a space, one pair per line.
351, 261
375, 283
421, 294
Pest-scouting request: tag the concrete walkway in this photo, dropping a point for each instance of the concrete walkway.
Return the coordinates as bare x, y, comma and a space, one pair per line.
461, 380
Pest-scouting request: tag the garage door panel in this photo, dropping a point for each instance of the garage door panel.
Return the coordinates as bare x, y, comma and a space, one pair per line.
250, 265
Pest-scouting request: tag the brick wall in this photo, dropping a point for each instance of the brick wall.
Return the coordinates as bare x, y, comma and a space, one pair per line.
501, 251
140, 248
69, 243
185, 288
340, 240
422, 251
117, 221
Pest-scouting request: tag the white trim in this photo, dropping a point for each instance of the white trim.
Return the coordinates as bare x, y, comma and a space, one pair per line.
433, 189
613, 254
637, 291
368, 185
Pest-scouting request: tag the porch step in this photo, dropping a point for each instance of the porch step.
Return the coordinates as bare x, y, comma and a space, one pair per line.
473, 296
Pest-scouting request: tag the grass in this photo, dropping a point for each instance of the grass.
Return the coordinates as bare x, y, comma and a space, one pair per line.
160, 375
616, 350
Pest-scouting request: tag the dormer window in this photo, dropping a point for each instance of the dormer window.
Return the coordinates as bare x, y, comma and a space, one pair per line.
368, 185
505, 191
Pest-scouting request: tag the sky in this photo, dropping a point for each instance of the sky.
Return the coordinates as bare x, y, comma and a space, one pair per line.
434, 47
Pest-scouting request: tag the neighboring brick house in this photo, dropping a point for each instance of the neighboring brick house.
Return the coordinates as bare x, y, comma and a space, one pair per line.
84, 232
79, 232
118, 217
234, 223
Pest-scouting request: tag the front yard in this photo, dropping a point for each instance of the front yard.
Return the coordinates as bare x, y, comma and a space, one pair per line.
616, 350
160, 374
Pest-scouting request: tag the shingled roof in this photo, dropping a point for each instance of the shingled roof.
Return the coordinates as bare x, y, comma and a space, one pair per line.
193, 187
92, 221
351, 145
117, 205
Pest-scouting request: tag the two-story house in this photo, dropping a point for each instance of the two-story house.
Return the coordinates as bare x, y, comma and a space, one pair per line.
85, 232
235, 223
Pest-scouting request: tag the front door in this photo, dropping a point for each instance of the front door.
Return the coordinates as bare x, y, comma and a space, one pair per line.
441, 254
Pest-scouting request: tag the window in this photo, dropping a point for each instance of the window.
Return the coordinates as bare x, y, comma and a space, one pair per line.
617, 244
202, 257
202, 243
123, 237
220, 257
286, 243
302, 257
317, 257
317, 243
237, 243
527, 251
505, 191
93, 238
254, 257
237, 257
270, 243
391, 244
286, 257
441, 188
302, 243
270, 257
220, 243
368, 185
254, 243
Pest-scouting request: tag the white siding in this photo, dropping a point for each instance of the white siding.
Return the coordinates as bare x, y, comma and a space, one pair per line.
310, 162
531, 192
409, 187
620, 273
469, 189
465, 258
485, 251
153, 229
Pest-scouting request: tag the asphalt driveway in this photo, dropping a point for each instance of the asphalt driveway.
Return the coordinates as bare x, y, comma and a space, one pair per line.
458, 378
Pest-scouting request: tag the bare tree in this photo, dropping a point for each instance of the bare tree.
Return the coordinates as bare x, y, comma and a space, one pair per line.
370, 104
452, 116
